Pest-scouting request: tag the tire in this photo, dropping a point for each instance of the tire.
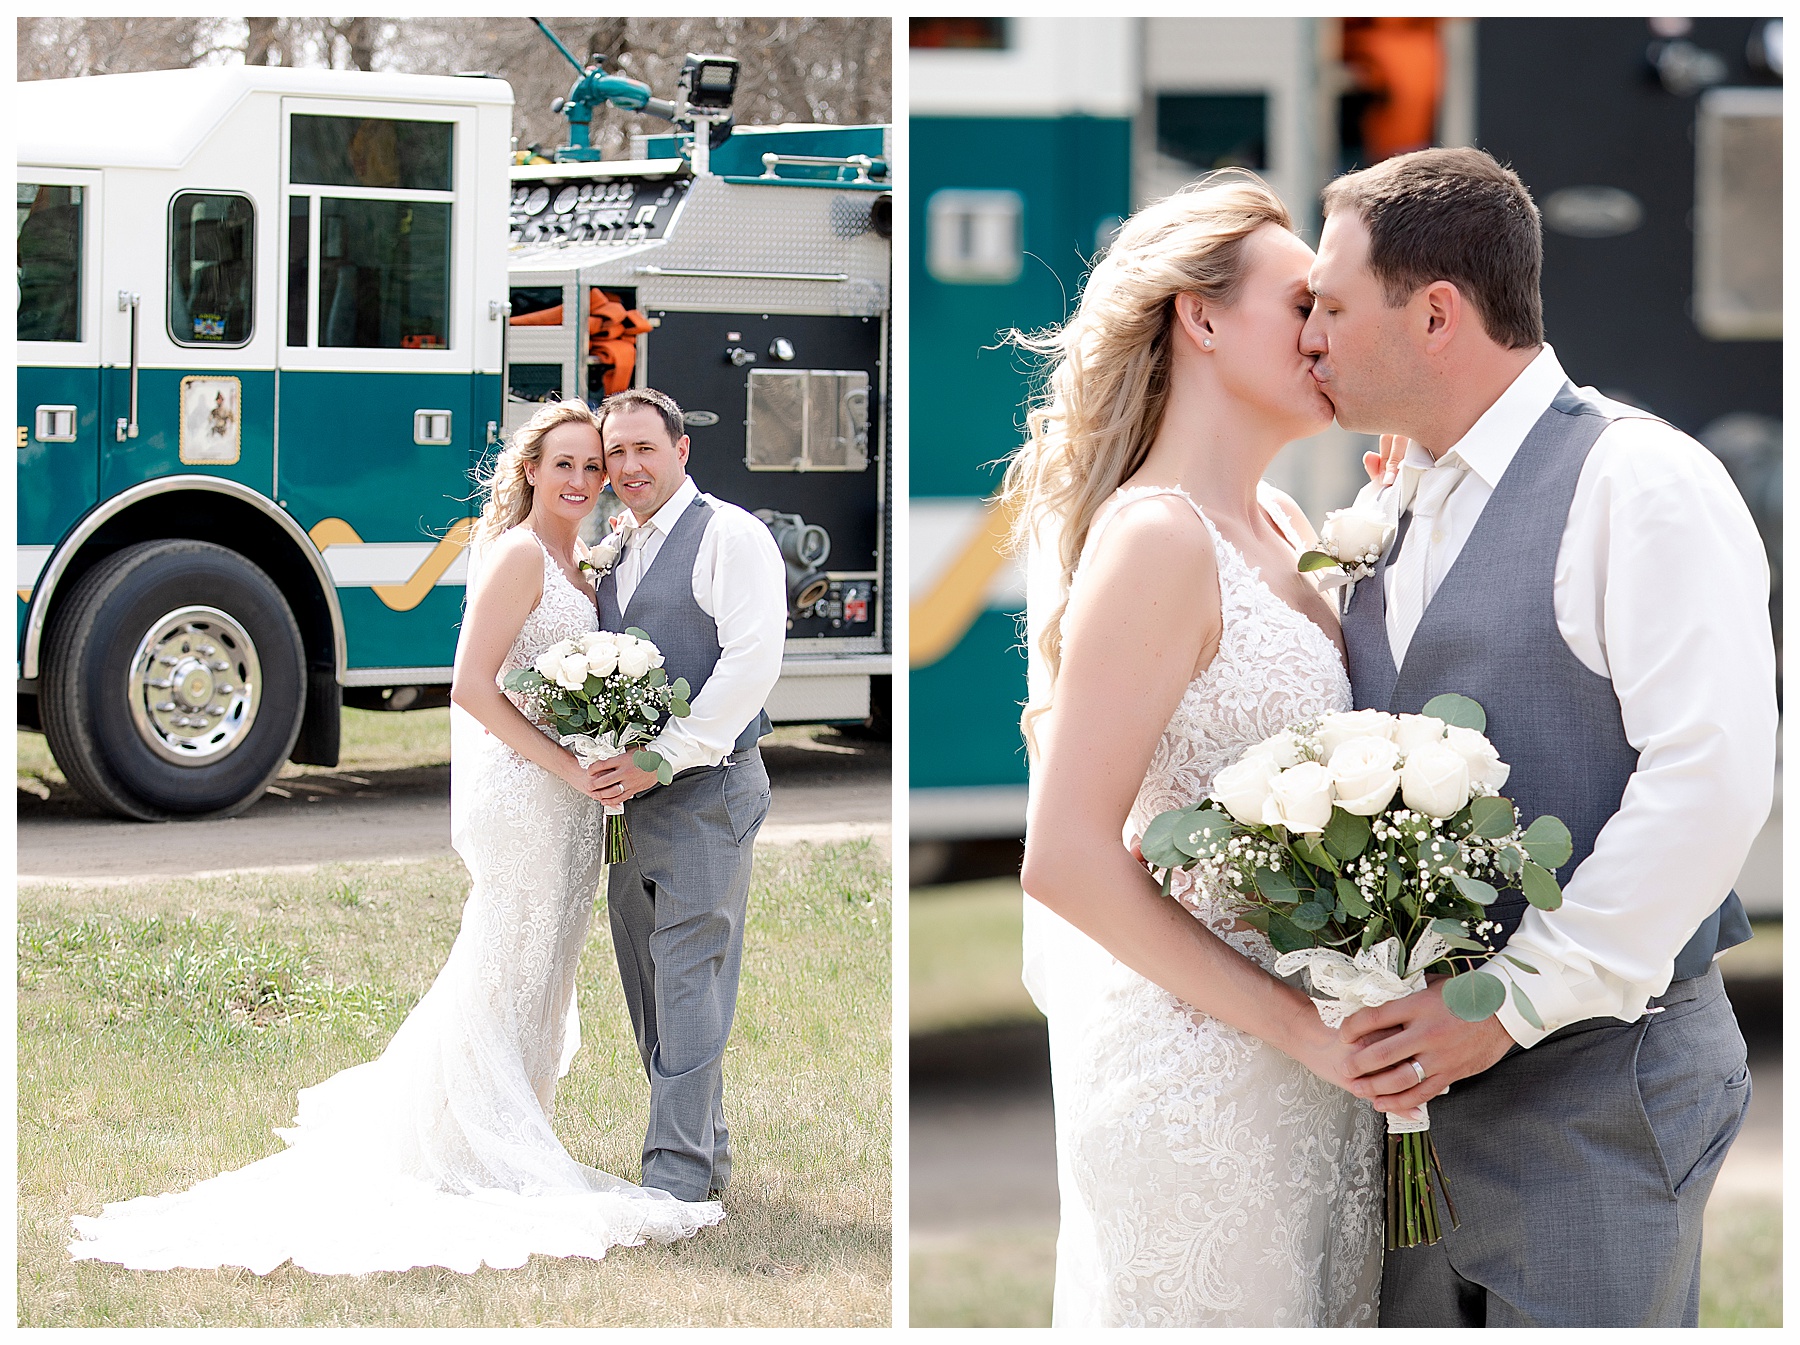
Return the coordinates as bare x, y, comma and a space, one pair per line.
174, 682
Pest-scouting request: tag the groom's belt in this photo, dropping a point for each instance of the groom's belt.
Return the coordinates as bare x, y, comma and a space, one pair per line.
735, 759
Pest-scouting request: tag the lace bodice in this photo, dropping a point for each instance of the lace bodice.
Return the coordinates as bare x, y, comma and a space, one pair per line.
563, 610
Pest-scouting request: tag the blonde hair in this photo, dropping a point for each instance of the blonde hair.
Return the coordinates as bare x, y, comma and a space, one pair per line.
1101, 403
506, 490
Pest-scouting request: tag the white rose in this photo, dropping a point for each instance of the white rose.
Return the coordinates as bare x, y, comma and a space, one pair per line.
1355, 534
1300, 798
1283, 750
572, 671
1414, 731
548, 664
634, 658
1243, 788
1435, 780
602, 658
1335, 730
1365, 772
656, 655
1485, 767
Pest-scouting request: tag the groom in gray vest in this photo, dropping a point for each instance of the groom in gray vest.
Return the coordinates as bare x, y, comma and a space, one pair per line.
1591, 577
705, 581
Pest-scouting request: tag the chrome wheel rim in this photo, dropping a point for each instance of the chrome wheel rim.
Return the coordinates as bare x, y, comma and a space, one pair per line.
194, 686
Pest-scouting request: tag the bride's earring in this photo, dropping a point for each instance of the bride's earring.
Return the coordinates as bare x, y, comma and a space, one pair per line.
1206, 343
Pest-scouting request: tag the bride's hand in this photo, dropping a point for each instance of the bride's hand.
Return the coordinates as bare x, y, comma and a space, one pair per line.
1384, 466
1322, 1050
577, 777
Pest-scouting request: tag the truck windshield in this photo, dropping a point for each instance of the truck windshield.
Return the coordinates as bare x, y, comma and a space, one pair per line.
384, 274
211, 271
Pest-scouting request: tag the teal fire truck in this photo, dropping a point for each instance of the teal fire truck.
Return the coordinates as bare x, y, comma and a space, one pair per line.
263, 318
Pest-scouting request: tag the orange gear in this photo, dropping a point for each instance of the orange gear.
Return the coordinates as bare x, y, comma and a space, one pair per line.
613, 330
1401, 62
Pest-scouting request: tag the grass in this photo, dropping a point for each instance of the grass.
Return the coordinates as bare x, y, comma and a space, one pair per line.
965, 956
1740, 1262
144, 1007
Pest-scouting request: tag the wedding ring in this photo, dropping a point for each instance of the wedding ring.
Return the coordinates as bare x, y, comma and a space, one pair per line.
1418, 1069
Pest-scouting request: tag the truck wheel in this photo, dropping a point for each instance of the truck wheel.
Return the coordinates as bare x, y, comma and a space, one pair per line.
174, 682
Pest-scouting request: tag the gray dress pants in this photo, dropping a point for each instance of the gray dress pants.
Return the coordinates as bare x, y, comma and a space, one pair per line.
1580, 1169
676, 907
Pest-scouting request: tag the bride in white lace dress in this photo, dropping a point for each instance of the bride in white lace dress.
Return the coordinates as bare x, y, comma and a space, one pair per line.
1213, 1168
441, 1152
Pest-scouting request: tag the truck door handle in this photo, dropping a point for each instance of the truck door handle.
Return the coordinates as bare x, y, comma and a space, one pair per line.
127, 428
55, 425
431, 427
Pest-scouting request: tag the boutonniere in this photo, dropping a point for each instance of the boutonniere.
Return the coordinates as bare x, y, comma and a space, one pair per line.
1351, 542
606, 552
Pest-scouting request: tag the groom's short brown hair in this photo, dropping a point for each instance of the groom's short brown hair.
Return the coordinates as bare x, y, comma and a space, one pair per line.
1456, 215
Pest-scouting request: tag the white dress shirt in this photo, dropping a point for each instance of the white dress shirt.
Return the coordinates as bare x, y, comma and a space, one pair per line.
1662, 586
741, 583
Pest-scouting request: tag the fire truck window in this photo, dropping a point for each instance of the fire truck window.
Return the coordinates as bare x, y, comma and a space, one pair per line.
299, 222
211, 271
384, 274
49, 239
1214, 130
534, 382
535, 299
808, 420
370, 152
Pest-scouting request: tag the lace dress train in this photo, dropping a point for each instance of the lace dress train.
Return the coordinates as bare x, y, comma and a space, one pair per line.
1206, 1178
440, 1152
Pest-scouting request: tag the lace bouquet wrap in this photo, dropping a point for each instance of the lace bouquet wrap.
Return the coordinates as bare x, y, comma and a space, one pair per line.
602, 693
1368, 846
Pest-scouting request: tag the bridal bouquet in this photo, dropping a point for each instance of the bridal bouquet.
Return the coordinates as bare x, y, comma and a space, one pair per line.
1368, 846
602, 693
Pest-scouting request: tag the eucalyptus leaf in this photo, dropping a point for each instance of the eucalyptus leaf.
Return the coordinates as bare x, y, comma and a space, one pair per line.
1346, 835
1541, 888
1453, 933
1548, 842
1309, 915
1508, 861
1482, 894
1458, 710
1159, 842
1522, 966
1285, 936
1277, 886
1474, 995
1309, 849
1527, 1010
638, 633
1315, 560
1350, 897
665, 774
1257, 917
646, 761
1491, 818
522, 679
681, 690
656, 677
1374, 932
1393, 880
680, 708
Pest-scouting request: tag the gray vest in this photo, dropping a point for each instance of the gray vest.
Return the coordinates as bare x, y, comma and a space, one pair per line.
1490, 632
663, 607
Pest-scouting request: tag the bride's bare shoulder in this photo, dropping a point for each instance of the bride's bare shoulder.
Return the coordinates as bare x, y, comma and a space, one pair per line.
514, 561
1148, 545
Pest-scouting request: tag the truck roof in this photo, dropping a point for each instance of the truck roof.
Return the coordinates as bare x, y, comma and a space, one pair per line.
159, 118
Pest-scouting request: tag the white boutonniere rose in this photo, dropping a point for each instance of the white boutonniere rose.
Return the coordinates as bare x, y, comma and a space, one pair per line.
1351, 541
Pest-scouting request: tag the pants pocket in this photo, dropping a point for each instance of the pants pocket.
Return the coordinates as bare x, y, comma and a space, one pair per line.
746, 796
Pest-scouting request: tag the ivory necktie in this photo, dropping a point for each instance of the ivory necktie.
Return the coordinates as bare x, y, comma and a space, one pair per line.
631, 564
1415, 580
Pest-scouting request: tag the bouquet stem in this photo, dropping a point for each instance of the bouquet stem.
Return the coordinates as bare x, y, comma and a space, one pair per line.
1413, 1174
618, 839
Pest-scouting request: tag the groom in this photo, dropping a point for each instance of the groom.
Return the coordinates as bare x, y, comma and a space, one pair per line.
1591, 577
705, 581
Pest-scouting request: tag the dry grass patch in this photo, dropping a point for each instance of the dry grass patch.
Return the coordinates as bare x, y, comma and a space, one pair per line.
165, 1026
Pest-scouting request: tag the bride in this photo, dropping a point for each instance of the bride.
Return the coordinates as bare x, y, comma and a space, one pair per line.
440, 1152
1213, 1168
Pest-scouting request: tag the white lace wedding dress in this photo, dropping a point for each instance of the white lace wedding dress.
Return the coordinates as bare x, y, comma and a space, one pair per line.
1206, 1178
440, 1152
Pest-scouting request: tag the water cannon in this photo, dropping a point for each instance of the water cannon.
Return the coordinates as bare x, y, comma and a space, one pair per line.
708, 85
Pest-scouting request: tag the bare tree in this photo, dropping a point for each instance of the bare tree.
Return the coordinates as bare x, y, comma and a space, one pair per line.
833, 70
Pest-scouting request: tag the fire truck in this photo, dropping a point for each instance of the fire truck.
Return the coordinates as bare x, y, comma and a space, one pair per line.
265, 346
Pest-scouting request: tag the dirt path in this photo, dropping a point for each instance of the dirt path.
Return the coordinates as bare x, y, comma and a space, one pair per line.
822, 792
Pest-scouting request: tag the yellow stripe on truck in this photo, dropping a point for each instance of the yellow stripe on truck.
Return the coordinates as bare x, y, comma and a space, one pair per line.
331, 532
943, 616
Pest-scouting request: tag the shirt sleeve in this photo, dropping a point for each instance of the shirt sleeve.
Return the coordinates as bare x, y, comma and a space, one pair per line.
1662, 585
741, 583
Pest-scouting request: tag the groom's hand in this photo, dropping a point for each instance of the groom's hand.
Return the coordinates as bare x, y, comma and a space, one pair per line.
1383, 467
1420, 1028
618, 778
